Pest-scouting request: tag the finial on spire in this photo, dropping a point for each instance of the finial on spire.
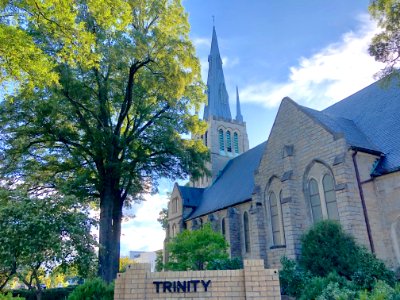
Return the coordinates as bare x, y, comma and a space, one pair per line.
239, 116
213, 17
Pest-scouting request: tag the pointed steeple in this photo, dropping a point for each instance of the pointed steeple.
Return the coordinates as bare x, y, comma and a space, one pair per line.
218, 99
239, 116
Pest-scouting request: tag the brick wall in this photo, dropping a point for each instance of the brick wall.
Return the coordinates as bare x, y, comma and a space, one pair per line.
253, 282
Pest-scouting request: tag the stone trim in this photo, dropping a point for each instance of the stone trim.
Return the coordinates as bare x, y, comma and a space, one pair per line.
341, 186
287, 175
286, 200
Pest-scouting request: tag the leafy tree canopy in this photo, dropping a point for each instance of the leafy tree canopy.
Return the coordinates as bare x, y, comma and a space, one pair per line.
119, 84
385, 46
196, 250
39, 235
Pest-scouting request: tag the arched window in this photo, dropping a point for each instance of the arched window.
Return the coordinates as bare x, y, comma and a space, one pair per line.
246, 232
283, 238
276, 231
228, 141
315, 200
174, 230
330, 197
223, 230
236, 142
205, 138
201, 223
221, 140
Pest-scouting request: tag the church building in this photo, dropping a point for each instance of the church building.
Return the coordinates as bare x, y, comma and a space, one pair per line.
341, 163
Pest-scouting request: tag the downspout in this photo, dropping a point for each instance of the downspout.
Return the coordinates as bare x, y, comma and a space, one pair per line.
364, 206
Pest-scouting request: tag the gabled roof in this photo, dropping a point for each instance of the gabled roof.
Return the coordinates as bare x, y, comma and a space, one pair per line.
375, 111
341, 126
191, 196
234, 185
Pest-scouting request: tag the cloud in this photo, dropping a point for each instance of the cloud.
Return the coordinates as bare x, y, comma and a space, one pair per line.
201, 42
229, 63
331, 74
144, 232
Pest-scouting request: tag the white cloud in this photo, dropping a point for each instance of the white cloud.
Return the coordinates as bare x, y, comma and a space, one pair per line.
229, 63
330, 75
144, 232
201, 42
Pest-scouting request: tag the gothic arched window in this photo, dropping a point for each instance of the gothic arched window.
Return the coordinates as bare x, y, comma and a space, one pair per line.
276, 230
221, 140
205, 138
246, 231
330, 197
174, 230
223, 229
236, 142
228, 141
283, 239
315, 200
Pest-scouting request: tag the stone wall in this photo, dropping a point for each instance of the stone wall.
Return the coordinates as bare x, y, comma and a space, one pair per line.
253, 282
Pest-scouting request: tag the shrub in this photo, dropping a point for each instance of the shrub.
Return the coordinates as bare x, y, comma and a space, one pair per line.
371, 269
48, 294
292, 278
381, 291
9, 296
334, 291
327, 248
95, 289
225, 264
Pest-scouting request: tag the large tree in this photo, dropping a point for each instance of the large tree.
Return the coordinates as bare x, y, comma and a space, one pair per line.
127, 87
385, 46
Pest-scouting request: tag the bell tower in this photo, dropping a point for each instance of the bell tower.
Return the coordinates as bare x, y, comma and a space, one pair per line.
225, 137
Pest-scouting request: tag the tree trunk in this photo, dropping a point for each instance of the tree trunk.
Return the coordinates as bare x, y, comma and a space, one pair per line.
110, 231
106, 271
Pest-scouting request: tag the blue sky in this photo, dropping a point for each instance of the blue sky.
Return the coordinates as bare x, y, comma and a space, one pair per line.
313, 51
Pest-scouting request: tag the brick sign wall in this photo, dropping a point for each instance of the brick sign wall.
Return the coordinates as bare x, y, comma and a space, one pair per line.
253, 282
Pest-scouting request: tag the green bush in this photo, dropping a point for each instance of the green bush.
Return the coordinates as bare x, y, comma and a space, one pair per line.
327, 248
95, 289
225, 264
48, 294
371, 269
381, 291
292, 278
9, 296
334, 292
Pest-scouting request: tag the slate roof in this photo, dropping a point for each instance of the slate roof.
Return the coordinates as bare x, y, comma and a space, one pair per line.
234, 185
191, 196
337, 125
369, 120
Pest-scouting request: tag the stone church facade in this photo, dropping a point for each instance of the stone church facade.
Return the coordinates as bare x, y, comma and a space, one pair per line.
342, 163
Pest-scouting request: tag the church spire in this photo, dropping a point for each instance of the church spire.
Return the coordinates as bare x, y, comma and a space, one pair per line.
239, 116
218, 99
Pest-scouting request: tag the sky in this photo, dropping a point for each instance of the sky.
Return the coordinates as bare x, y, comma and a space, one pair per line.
313, 51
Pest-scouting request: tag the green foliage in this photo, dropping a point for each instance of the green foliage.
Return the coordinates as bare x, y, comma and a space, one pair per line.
334, 292
95, 289
42, 234
370, 270
9, 296
124, 87
159, 261
196, 250
385, 46
48, 294
225, 264
381, 291
327, 248
333, 266
163, 218
292, 277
